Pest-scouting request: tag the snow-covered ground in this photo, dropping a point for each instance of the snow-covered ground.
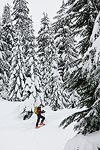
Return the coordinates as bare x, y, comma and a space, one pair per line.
19, 134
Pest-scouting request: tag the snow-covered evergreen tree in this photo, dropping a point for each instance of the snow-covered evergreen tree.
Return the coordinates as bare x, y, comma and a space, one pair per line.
49, 75
89, 88
65, 47
6, 45
82, 14
58, 98
45, 53
2, 58
64, 41
22, 52
81, 23
31, 90
7, 32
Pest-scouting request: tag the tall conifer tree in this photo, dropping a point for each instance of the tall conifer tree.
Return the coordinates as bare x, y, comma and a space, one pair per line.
49, 76
45, 53
6, 40
88, 86
83, 14
21, 52
64, 41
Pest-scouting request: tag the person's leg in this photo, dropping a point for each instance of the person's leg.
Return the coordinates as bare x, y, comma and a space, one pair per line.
38, 119
42, 119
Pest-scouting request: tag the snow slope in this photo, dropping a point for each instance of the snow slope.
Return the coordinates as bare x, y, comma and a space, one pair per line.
19, 134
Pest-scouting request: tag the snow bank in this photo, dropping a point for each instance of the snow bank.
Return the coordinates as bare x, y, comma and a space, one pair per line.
81, 142
95, 138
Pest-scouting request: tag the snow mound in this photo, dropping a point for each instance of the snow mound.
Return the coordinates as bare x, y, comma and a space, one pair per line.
80, 142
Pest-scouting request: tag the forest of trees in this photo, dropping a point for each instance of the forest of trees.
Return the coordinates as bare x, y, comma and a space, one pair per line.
60, 67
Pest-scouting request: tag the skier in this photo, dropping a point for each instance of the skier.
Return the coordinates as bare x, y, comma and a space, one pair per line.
38, 112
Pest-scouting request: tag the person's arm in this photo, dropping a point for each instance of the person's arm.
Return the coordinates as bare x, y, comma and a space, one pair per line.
42, 111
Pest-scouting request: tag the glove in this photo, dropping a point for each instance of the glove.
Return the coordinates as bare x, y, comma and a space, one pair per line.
43, 111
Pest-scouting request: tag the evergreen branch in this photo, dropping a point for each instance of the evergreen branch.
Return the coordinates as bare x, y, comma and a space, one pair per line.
74, 117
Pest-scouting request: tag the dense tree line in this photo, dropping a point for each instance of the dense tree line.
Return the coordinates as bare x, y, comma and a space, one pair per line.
60, 67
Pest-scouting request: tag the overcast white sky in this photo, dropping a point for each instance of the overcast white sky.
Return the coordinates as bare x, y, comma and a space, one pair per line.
37, 7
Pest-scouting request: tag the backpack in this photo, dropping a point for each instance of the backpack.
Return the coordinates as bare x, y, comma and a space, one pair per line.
35, 110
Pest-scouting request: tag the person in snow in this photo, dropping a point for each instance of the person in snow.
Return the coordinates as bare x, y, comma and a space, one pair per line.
40, 117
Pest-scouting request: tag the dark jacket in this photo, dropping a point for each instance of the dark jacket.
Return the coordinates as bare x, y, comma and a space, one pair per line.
39, 111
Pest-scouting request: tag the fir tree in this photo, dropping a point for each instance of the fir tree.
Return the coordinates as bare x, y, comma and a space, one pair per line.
2, 55
57, 96
7, 35
45, 53
64, 41
89, 87
49, 76
31, 69
83, 14
86, 15
6, 40
65, 47
21, 52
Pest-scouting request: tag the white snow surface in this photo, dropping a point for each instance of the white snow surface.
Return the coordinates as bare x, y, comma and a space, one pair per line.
19, 134
96, 29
